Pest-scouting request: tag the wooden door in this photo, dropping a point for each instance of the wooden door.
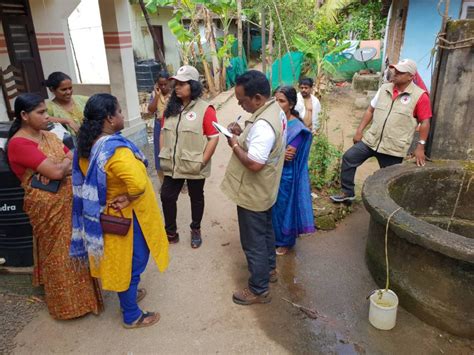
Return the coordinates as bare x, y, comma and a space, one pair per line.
21, 43
159, 33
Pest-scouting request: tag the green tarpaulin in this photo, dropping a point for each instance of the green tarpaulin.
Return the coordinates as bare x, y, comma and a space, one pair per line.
282, 72
238, 66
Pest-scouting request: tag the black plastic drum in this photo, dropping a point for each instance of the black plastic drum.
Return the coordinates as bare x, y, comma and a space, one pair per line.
16, 237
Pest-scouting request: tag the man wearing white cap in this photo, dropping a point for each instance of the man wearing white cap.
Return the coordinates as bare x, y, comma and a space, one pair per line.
394, 114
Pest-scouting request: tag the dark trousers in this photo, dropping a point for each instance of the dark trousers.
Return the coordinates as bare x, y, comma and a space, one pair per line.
258, 243
354, 157
169, 196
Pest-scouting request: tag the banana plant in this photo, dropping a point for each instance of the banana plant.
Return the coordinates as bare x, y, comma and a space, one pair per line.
226, 10
317, 55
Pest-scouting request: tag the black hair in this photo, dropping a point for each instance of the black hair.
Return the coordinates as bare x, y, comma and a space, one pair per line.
306, 81
55, 79
97, 109
254, 82
175, 104
291, 96
23, 103
162, 74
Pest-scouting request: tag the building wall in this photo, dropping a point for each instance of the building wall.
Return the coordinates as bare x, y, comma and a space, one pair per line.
423, 24
141, 38
143, 42
53, 44
50, 21
85, 28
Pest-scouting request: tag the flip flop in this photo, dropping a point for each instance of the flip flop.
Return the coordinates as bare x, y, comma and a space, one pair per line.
140, 322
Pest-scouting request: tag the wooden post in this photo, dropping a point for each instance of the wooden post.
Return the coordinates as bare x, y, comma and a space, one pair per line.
270, 48
212, 45
262, 31
249, 40
161, 57
239, 27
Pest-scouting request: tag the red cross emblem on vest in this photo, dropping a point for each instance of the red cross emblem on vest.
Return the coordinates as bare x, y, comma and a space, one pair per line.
191, 116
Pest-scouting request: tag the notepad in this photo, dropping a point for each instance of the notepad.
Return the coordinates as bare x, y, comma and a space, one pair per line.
222, 129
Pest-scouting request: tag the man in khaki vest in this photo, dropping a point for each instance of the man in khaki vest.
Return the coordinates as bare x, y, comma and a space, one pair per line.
252, 179
395, 112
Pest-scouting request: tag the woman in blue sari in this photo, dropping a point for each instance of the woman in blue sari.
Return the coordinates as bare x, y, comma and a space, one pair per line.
292, 213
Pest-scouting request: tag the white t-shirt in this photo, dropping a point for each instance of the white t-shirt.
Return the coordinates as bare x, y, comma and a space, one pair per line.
373, 102
261, 139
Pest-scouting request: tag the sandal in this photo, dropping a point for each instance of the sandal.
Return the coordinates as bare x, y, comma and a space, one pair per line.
147, 319
141, 293
282, 251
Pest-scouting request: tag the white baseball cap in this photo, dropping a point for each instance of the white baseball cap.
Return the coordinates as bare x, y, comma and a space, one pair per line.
186, 73
405, 66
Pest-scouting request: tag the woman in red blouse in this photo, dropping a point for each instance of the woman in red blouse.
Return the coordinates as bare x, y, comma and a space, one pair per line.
36, 154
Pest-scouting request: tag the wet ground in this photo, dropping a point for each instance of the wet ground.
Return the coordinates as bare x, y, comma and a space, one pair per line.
325, 273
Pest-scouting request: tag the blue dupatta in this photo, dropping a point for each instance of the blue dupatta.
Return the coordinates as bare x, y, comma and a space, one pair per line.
90, 195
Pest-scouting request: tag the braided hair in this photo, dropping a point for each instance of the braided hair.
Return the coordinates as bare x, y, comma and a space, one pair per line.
97, 109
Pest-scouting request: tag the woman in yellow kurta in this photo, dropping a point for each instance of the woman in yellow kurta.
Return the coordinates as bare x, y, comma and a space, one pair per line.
65, 108
110, 171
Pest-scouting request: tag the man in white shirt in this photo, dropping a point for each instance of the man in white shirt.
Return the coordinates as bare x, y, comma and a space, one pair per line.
252, 178
308, 105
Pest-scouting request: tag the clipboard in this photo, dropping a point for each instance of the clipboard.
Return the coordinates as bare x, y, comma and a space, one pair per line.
222, 129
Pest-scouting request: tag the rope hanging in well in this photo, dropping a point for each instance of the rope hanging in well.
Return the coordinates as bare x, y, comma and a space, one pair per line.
387, 280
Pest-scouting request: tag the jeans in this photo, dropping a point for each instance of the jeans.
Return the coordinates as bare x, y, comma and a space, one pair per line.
169, 196
258, 242
354, 157
128, 299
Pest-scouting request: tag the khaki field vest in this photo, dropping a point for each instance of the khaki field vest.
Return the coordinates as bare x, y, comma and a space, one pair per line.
393, 124
184, 143
257, 191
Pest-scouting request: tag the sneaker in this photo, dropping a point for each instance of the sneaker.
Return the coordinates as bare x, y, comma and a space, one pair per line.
273, 276
173, 238
342, 197
196, 239
246, 297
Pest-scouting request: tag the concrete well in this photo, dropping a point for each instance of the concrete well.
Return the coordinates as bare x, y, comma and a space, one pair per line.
431, 268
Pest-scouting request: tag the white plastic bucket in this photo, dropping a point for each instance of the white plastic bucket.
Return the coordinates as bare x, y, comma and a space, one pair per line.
383, 309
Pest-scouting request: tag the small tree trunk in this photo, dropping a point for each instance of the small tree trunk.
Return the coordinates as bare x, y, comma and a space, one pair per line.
239, 27
161, 57
207, 72
249, 40
212, 45
223, 67
270, 48
262, 31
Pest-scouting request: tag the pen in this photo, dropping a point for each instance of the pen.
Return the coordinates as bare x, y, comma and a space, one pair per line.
237, 120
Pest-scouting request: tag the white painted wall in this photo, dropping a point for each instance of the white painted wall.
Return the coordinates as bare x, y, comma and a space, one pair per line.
85, 28
141, 38
50, 22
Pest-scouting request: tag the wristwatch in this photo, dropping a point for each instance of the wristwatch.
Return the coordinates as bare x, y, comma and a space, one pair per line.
422, 142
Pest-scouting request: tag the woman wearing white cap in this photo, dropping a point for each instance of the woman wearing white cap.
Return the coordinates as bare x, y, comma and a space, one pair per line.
188, 141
